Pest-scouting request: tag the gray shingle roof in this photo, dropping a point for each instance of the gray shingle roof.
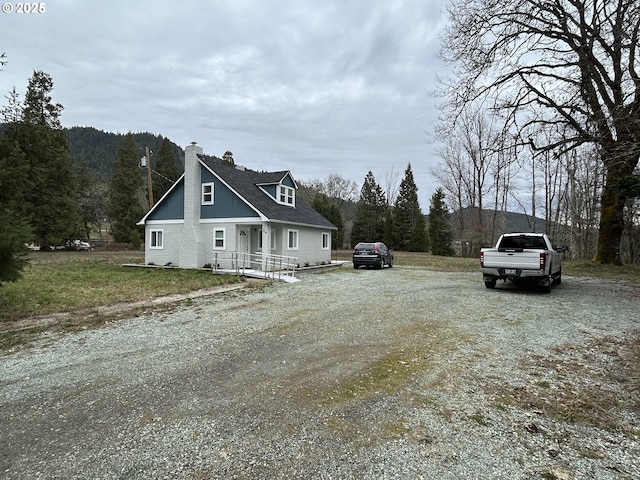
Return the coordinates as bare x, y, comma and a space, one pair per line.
246, 184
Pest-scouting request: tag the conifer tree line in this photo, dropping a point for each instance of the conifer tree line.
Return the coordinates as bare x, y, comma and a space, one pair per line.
39, 201
401, 224
48, 199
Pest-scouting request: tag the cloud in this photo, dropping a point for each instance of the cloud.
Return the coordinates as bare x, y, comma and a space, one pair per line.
315, 87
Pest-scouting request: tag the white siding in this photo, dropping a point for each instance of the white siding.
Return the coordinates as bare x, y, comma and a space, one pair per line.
171, 243
309, 245
174, 248
221, 255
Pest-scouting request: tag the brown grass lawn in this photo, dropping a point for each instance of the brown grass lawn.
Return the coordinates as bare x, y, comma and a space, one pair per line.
56, 282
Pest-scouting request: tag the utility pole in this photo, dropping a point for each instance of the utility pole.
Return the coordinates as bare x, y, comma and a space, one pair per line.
149, 184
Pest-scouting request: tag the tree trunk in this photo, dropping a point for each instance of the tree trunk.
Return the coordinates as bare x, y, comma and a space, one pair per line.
611, 226
612, 211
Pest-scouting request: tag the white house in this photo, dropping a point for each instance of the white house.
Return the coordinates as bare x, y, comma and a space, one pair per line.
215, 212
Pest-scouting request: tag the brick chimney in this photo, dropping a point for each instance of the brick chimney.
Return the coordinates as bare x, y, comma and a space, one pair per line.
191, 245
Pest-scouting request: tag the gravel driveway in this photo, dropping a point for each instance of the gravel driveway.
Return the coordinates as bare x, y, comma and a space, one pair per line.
401, 373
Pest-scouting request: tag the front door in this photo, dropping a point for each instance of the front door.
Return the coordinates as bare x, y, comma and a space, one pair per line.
243, 247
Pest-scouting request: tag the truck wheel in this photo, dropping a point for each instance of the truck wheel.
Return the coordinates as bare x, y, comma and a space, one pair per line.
546, 286
490, 283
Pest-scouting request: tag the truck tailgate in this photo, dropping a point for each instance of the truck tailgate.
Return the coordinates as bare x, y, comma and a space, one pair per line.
525, 259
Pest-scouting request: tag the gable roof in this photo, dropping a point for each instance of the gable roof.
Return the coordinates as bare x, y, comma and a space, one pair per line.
275, 178
247, 185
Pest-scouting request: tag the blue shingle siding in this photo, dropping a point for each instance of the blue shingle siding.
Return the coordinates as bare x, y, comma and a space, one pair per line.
172, 206
226, 204
271, 190
288, 181
206, 176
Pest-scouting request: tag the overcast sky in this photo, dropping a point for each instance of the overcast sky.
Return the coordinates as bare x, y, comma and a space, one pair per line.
314, 87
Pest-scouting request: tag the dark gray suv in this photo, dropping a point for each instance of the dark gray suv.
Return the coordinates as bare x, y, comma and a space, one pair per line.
372, 254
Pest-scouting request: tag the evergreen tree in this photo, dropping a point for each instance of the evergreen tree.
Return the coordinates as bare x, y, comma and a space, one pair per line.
388, 232
38, 109
14, 182
323, 205
15, 229
99, 149
125, 186
371, 210
12, 113
50, 202
227, 159
409, 226
165, 172
440, 232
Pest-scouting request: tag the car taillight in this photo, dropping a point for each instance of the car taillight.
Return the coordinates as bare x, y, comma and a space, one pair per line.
543, 261
482, 259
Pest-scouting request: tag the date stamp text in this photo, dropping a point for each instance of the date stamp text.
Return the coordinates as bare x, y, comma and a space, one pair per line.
24, 8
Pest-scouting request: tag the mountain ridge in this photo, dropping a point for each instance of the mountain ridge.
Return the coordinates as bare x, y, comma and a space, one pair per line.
99, 149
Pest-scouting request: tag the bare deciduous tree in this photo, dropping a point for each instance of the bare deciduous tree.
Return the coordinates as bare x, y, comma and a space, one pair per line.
569, 64
473, 158
585, 178
391, 185
335, 186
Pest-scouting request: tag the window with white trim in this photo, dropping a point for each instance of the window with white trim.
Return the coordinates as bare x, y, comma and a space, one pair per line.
292, 243
286, 195
157, 239
219, 238
326, 241
207, 193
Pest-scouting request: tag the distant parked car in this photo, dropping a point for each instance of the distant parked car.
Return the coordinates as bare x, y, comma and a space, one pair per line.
372, 254
79, 245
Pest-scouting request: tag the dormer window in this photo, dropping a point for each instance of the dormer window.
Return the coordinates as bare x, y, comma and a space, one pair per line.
286, 195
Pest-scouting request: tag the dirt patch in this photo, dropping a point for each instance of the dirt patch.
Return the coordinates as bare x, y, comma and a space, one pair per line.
89, 315
596, 384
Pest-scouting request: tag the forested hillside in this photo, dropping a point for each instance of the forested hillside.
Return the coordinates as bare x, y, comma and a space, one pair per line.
99, 149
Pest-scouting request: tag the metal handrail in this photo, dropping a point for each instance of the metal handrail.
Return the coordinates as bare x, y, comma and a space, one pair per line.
240, 262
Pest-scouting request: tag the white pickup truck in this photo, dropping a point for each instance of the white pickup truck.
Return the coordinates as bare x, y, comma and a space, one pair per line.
521, 257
